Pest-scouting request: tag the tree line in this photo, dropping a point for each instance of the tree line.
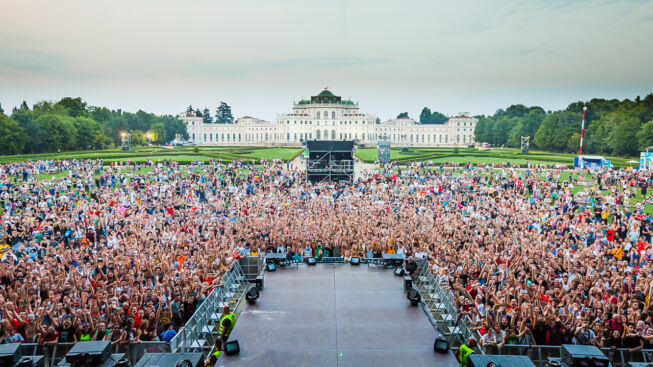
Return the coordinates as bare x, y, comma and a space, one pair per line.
70, 124
612, 127
222, 114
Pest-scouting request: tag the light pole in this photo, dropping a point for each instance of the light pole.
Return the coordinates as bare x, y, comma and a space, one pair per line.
126, 141
582, 130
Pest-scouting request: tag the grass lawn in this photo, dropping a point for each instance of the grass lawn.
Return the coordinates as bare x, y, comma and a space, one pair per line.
183, 155
464, 155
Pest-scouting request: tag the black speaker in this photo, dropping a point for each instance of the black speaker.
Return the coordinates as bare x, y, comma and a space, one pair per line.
9, 354
414, 297
252, 295
259, 282
89, 353
355, 260
311, 261
270, 267
399, 272
408, 282
232, 348
441, 345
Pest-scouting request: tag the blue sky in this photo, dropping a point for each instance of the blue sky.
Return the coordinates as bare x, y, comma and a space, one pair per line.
260, 56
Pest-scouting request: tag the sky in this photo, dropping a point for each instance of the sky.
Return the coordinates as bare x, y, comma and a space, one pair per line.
260, 56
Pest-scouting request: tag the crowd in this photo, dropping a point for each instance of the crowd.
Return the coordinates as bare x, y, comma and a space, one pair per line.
534, 256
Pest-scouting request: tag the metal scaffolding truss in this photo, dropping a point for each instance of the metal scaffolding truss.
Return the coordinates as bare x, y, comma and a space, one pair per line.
330, 166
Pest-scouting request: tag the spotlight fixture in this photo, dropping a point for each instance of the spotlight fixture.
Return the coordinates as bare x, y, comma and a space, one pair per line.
355, 261
414, 297
252, 295
399, 272
311, 261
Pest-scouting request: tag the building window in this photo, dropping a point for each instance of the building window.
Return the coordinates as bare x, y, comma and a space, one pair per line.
333, 135
287, 136
318, 115
210, 136
318, 135
193, 136
204, 136
333, 115
326, 115
295, 137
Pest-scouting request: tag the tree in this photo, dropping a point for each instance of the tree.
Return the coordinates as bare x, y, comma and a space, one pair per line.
74, 106
12, 136
625, 142
402, 115
645, 135
58, 132
378, 121
90, 133
2, 112
223, 114
23, 106
425, 115
32, 130
189, 110
206, 116
198, 113
159, 132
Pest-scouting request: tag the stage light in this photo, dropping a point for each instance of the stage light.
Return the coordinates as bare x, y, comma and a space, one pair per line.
311, 261
270, 267
399, 272
259, 282
184, 363
441, 345
252, 295
355, 261
414, 297
123, 362
25, 362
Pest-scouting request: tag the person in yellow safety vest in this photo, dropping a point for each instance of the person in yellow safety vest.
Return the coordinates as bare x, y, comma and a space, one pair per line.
465, 350
213, 358
227, 323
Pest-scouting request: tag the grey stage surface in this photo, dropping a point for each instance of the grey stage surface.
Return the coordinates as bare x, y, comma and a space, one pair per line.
334, 315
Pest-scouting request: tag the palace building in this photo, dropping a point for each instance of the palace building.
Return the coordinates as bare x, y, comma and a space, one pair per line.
329, 117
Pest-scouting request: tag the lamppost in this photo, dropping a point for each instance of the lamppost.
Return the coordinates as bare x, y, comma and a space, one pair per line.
126, 141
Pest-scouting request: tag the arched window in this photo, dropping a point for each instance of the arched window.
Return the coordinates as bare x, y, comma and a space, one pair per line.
326, 115
333, 115
326, 134
333, 135
318, 114
319, 135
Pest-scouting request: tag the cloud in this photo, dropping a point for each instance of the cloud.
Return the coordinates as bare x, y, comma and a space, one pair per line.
30, 62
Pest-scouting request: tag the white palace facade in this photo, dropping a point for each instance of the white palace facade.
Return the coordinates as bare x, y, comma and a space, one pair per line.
329, 117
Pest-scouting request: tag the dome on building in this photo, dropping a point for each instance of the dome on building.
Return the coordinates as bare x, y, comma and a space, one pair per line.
326, 93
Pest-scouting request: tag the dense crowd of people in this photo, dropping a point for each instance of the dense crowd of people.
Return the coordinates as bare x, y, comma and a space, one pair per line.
124, 253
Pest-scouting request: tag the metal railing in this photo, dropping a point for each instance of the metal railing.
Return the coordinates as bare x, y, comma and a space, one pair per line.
55, 353
201, 330
439, 301
540, 354
251, 266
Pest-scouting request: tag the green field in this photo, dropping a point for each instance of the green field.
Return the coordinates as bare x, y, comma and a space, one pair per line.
513, 156
183, 155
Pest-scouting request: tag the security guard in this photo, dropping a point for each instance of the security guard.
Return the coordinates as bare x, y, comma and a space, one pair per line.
465, 350
213, 358
227, 323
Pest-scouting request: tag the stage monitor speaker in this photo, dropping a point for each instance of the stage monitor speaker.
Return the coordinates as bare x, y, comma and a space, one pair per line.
30, 361
9, 354
408, 282
232, 348
271, 267
441, 345
259, 282
170, 359
579, 355
89, 353
355, 260
399, 272
311, 261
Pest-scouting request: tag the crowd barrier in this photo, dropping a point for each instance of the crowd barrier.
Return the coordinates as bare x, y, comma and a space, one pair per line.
540, 354
201, 330
54, 353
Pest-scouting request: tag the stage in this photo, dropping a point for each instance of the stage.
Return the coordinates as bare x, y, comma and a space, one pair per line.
334, 315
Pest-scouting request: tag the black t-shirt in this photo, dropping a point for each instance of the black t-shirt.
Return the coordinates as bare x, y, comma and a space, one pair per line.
67, 335
632, 341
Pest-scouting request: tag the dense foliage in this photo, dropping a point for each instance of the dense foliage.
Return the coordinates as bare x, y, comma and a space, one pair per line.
612, 127
72, 125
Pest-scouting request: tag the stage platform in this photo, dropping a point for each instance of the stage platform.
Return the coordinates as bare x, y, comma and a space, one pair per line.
334, 315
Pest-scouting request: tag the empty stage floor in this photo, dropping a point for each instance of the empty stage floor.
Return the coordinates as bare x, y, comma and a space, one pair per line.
334, 315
